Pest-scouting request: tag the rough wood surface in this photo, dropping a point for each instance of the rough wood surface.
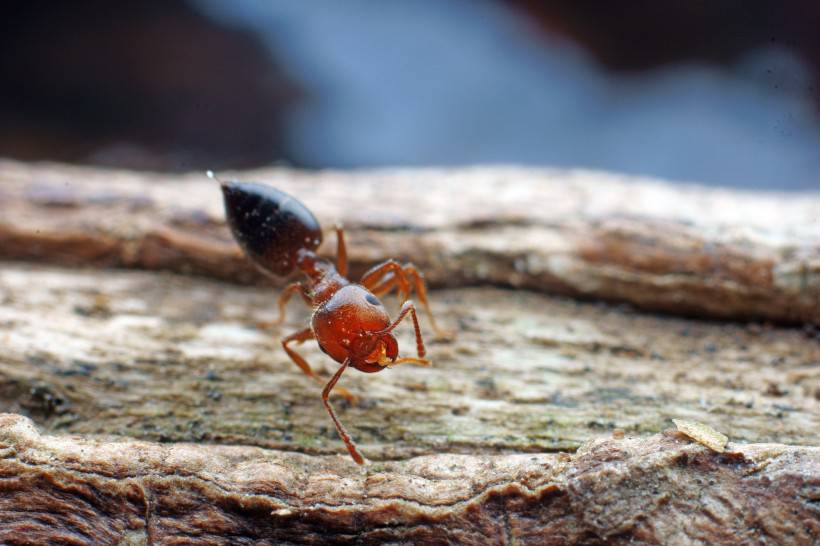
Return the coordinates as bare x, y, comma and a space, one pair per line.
176, 358
662, 490
171, 415
685, 250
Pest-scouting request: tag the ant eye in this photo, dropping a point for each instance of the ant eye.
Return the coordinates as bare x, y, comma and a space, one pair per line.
371, 299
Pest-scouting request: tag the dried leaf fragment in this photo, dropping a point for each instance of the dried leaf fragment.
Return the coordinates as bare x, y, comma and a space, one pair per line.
703, 434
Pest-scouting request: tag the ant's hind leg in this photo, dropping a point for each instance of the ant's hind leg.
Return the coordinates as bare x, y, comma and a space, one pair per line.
299, 360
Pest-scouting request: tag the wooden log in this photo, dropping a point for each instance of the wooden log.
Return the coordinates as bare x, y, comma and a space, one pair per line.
170, 414
660, 490
174, 358
678, 249
182, 361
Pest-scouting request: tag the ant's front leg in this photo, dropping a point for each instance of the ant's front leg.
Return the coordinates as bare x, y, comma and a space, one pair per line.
299, 360
408, 308
351, 446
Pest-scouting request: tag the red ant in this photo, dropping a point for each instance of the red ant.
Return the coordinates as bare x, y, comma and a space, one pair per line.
349, 322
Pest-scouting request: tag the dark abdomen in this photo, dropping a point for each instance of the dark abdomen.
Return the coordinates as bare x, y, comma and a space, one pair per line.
270, 225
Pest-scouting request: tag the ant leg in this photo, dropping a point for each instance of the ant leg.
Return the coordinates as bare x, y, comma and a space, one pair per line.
341, 251
351, 446
285, 296
408, 307
299, 337
299, 360
382, 278
401, 278
421, 291
385, 286
375, 274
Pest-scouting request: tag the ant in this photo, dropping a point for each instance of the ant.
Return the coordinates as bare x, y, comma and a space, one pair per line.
279, 234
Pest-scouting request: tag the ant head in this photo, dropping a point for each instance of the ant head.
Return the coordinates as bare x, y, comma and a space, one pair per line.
352, 324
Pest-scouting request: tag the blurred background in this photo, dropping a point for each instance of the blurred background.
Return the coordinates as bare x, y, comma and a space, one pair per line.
720, 93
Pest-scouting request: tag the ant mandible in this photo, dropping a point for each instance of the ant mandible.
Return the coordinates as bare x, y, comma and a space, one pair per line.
349, 322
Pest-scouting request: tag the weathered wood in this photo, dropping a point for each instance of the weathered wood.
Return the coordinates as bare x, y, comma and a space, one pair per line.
689, 250
182, 359
179, 359
467, 451
661, 490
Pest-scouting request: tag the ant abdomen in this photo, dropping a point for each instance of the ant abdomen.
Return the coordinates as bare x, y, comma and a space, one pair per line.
270, 225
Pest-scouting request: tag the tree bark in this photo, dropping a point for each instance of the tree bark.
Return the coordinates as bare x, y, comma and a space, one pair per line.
659, 490
678, 249
170, 414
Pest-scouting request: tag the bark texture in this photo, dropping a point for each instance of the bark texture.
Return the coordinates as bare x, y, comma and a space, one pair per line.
175, 358
678, 249
660, 490
170, 414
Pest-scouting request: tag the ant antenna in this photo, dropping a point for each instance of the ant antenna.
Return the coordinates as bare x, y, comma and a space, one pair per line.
212, 176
